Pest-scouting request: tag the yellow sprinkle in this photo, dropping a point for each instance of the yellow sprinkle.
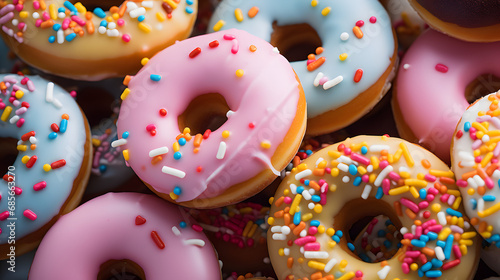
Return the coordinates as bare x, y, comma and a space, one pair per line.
238, 14
265, 144
460, 222
125, 93
322, 164
109, 19
240, 73
6, 113
397, 155
479, 127
420, 176
144, 27
22, 148
47, 167
349, 275
485, 235
454, 220
398, 191
444, 233
406, 154
334, 163
414, 192
186, 130
23, 14
463, 250
441, 173
334, 154
144, 61
466, 242
330, 232
390, 158
281, 252
372, 178
318, 208
171, 3
314, 3
53, 11
302, 167
414, 266
335, 172
173, 196
285, 192
416, 183
321, 229
487, 158
219, 25
316, 265
96, 142
270, 221
331, 243
160, 17
404, 174
362, 170
470, 191
226, 133
252, 230
125, 155
374, 161
307, 217
343, 57
453, 192
247, 228
343, 263
436, 207
25, 159
489, 211
271, 200
80, 8
468, 235
326, 11
295, 203
489, 228
176, 146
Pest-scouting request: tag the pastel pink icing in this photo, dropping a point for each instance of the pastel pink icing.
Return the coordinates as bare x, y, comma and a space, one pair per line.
263, 104
431, 85
105, 228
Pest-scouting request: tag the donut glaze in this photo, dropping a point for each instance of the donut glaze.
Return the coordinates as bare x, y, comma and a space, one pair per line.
97, 44
317, 204
266, 107
125, 226
475, 154
342, 55
51, 169
429, 94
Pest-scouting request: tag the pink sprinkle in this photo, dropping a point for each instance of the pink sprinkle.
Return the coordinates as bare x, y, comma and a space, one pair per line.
235, 47
359, 158
66, 23
412, 254
150, 127
304, 240
312, 230
29, 214
358, 274
429, 178
120, 22
287, 200
386, 186
36, 5
456, 251
73, 94
228, 37
360, 23
441, 68
409, 204
309, 61
40, 186
430, 197
45, 16
4, 215
20, 122
435, 228
19, 7
78, 20
433, 191
38, 22
444, 197
126, 38
373, 19
429, 223
407, 260
347, 151
18, 190
2, 105
24, 81
365, 178
383, 164
312, 246
323, 80
423, 204
197, 228
250, 242
462, 183
394, 176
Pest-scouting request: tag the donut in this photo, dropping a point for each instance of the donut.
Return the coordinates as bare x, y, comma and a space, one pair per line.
352, 66
139, 233
46, 142
405, 20
489, 255
221, 139
435, 83
103, 41
239, 235
316, 206
468, 20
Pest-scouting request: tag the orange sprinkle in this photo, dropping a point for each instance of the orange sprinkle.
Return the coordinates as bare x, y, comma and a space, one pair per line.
314, 185
329, 277
188, 136
287, 218
357, 32
319, 172
316, 64
319, 50
447, 180
3, 86
252, 48
33, 146
474, 221
482, 227
156, 159
311, 56
426, 163
90, 27
296, 161
65, 116
384, 152
316, 275
467, 175
197, 140
383, 263
490, 169
196, 150
122, 9
81, 33
481, 190
299, 228
279, 214
279, 201
397, 207
417, 222
410, 213
113, 10
289, 262
127, 80
156, 238
47, 24
253, 12
43, 6
88, 15
428, 251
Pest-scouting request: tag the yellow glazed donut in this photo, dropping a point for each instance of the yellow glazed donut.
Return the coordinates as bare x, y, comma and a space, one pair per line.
322, 198
93, 40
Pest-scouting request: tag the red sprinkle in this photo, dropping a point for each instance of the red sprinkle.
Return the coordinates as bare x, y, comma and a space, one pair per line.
451, 264
153, 132
358, 75
25, 104
24, 81
214, 44
54, 127
373, 19
4, 215
207, 134
163, 112
150, 127
441, 68
139, 220
58, 164
8, 178
31, 161
157, 240
18, 190
459, 134
360, 23
27, 136
197, 228
195, 52
199, 169
251, 125
40, 186
29, 214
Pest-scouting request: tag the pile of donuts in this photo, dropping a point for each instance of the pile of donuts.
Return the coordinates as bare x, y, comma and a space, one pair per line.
256, 139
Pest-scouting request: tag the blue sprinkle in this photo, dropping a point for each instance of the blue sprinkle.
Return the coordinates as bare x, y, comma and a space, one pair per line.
357, 181
182, 141
436, 263
103, 23
489, 198
315, 223
473, 203
380, 193
350, 246
155, 77
336, 238
424, 238
99, 13
70, 6
260, 221
381, 233
70, 37
177, 190
189, 10
387, 244
103, 168
52, 39
433, 273
364, 150
420, 273
417, 243
302, 151
339, 233
61, 10
183, 224
189, 2
63, 125
309, 152
497, 244
300, 189
423, 193
432, 235
467, 126
125, 134
447, 247
316, 198
452, 212
296, 218
307, 182
440, 243
52, 135
177, 155
495, 238
353, 169
338, 274
56, 27
425, 267
388, 222
365, 258
141, 18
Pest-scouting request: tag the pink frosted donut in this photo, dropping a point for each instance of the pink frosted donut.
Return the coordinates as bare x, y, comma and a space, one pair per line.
433, 87
125, 233
212, 119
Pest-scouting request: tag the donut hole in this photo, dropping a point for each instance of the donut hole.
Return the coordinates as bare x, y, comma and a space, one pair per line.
481, 86
120, 269
8, 153
354, 219
295, 41
207, 111
105, 5
96, 103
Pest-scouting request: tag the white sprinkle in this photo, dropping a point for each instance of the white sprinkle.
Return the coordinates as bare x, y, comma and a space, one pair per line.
285, 230
318, 161
286, 251
344, 36
366, 192
61, 15
379, 148
310, 205
472, 183
276, 229
465, 155
111, 25
382, 274
346, 179
222, 150
229, 114
57, 103
158, 151
113, 33
60, 36
468, 163
279, 236
346, 160
496, 175
266, 260
318, 77
316, 255
458, 229
293, 188
406, 66
485, 138
343, 167
137, 12
102, 29
479, 181
35, 15
14, 119
49, 94
369, 168
33, 140
147, 4
275, 50
131, 6
439, 253
306, 195
220, 262
403, 230
303, 233
330, 264
333, 82
371, 255
176, 231
312, 191
119, 142
196, 242
173, 172
404, 169
303, 174
442, 218
480, 205
382, 175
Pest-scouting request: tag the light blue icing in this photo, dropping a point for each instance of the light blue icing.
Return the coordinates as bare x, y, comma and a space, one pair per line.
22, 267
372, 53
69, 146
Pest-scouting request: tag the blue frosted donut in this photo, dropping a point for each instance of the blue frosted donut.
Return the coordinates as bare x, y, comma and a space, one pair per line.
351, 71
53, 161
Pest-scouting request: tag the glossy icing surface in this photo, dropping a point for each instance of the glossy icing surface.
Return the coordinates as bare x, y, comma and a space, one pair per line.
315, 205
262, 101
371, 53
119, 226
431, 83
40, 194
